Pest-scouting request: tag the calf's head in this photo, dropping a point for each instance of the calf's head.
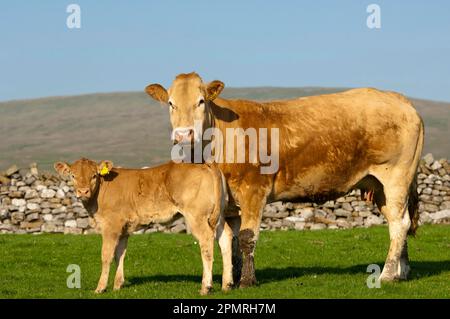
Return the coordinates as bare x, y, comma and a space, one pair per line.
85, 175
189, 101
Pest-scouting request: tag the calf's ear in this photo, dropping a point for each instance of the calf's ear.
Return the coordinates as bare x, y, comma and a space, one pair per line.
213, 89
157, 92
62, 168
104, 167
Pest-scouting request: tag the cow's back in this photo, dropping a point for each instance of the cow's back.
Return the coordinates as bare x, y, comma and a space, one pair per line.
328, 142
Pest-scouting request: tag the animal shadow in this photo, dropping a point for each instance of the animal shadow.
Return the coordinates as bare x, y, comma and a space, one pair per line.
419, 269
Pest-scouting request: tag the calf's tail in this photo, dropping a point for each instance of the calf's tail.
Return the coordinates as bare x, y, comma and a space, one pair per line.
221, 195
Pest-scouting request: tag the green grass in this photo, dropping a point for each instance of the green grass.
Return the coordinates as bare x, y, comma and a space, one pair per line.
316, 264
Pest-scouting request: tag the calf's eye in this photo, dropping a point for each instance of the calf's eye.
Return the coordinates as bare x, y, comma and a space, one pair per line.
201, 102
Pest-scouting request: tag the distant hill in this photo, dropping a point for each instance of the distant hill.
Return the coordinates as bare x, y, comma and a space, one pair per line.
133, 130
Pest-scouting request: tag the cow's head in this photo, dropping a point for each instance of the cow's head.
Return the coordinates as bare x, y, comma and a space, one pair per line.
189, 101
85, 175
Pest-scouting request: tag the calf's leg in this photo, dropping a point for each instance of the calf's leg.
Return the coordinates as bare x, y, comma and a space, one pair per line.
108, 246
207, 250
224, 235
119, 257
205, 236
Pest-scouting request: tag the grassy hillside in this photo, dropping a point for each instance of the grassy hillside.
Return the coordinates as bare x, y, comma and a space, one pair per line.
133, 130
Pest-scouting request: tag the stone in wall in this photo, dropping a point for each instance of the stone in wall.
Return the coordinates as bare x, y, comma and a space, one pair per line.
33, 202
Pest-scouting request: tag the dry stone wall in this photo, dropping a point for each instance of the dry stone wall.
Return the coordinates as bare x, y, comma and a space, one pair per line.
33, 202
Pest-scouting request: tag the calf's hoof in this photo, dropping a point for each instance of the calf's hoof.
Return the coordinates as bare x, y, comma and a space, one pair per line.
118, 285
227, 287
206, 291
99, 290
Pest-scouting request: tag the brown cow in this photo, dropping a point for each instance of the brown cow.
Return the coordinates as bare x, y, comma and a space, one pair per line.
328, 145
124, 200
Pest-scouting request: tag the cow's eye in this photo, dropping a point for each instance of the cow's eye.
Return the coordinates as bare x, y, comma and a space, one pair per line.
171, 105
201, 102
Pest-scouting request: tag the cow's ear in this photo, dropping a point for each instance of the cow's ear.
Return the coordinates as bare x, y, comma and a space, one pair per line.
104, 167
213, 89
157, 92
62, 168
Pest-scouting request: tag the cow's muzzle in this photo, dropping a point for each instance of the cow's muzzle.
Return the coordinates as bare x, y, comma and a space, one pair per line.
183, 135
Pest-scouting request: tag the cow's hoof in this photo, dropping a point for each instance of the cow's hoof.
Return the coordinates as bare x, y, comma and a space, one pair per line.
392, 277
392, 272
206, 291
247, 282
387, 277
404, 271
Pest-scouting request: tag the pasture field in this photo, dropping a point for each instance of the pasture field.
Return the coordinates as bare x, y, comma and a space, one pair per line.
289, 264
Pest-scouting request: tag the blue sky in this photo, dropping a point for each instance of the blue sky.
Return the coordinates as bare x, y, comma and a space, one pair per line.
125, 45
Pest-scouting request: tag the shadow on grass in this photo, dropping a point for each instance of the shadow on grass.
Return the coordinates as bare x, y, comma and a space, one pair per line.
130, 281
419, 269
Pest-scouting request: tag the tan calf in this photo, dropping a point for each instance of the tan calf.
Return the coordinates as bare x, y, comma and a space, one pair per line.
122, 201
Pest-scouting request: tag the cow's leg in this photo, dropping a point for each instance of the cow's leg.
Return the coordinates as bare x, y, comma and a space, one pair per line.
252, 205
392, 202
404, 261
119, 257
235, 224
398, 201
396, 266
109, 244
224, 235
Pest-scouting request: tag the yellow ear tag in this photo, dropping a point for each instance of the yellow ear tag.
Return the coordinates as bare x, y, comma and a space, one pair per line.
104, 171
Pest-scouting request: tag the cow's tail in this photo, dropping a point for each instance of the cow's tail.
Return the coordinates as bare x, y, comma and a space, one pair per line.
220, 190
413, 207
413, 196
